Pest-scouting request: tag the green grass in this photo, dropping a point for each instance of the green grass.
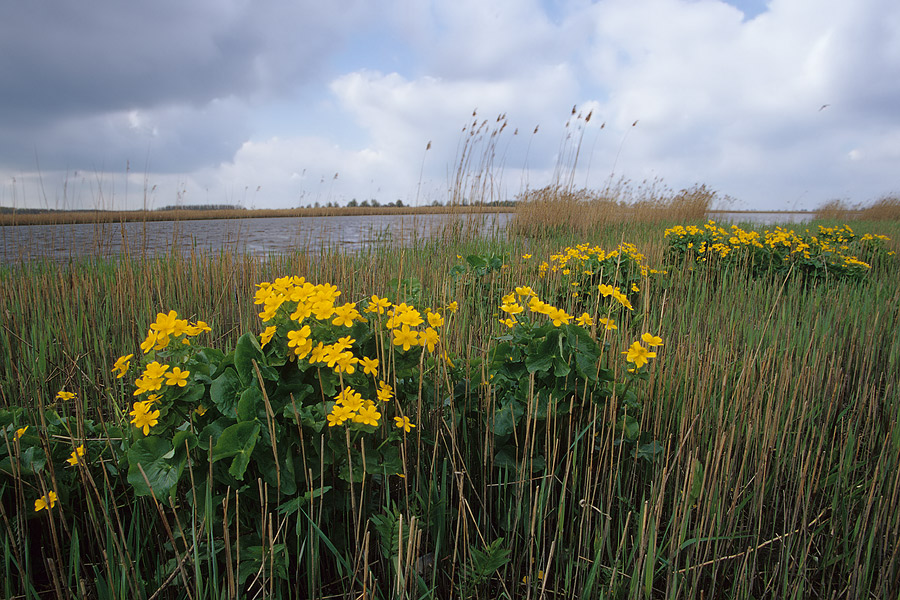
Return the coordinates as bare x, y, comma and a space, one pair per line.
776, 404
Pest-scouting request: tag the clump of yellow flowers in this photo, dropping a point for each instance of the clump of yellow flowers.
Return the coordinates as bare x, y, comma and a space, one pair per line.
294, 308
827, 250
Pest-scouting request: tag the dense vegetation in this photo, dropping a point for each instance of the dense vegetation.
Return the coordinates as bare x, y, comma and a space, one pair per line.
617, 414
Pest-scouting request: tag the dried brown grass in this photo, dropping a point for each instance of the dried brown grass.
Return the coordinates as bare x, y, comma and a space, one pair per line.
886, 208
555, 209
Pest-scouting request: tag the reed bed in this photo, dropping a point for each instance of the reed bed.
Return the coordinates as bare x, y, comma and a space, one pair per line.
886, 208
558, 208
769, 420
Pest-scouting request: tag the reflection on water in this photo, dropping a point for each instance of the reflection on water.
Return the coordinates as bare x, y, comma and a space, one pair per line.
265, 236
256, 236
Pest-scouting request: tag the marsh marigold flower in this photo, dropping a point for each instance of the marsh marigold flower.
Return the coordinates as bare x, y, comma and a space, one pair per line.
429, 338
45, 502
378, 305
367, 415
435, 319
585, 320
64, 395
266, 336
177, 377
638, 355
403, 423
405, 337
77, 453
652, 340
21, 431
121, 365
144, 418
369, 365
385, 392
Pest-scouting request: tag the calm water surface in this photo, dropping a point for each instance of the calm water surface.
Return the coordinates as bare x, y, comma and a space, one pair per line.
263, 236
256, 236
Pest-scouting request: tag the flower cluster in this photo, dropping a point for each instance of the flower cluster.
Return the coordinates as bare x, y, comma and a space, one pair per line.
828, 249
308, 317
638, 354
515, 303
167, 327
584, 258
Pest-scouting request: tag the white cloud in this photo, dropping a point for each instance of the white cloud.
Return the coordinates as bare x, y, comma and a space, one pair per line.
719, 98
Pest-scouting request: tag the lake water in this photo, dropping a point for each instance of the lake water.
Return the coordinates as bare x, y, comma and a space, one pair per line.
256, 236
263, 236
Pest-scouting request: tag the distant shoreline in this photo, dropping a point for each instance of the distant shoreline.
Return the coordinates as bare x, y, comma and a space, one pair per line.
54, 217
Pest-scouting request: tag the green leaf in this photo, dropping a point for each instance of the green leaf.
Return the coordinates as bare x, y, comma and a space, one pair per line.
237, 441
246, 351
506, 418
248, 405
225, 392
696, 482
292, 506
156, 457
538, 362
629, 427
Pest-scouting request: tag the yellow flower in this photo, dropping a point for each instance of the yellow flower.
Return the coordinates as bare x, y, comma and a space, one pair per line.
345, 314
122, 364
147, 384
201, 326
638, 355
526, 256
558, 316
606, 290
608, 323
453, 306
298, 337
584, 320
385, 392
403, 423
149, 342
45, 502
620, 297
165, 323
345, 362
378, 305
21, 431
652, 340
429, 338
368, 415
405, 315
525, 290
405, 337
317, 354
513, 308
338, 415
266, 336
343, 343
155, 370
635, 288
323, 309
200, 410
350, 399
509, 322
369, 365
143, 417
177, 377
77, 453
435, 319
64, 395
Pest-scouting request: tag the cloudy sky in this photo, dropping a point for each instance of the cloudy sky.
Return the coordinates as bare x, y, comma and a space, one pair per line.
780, 104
